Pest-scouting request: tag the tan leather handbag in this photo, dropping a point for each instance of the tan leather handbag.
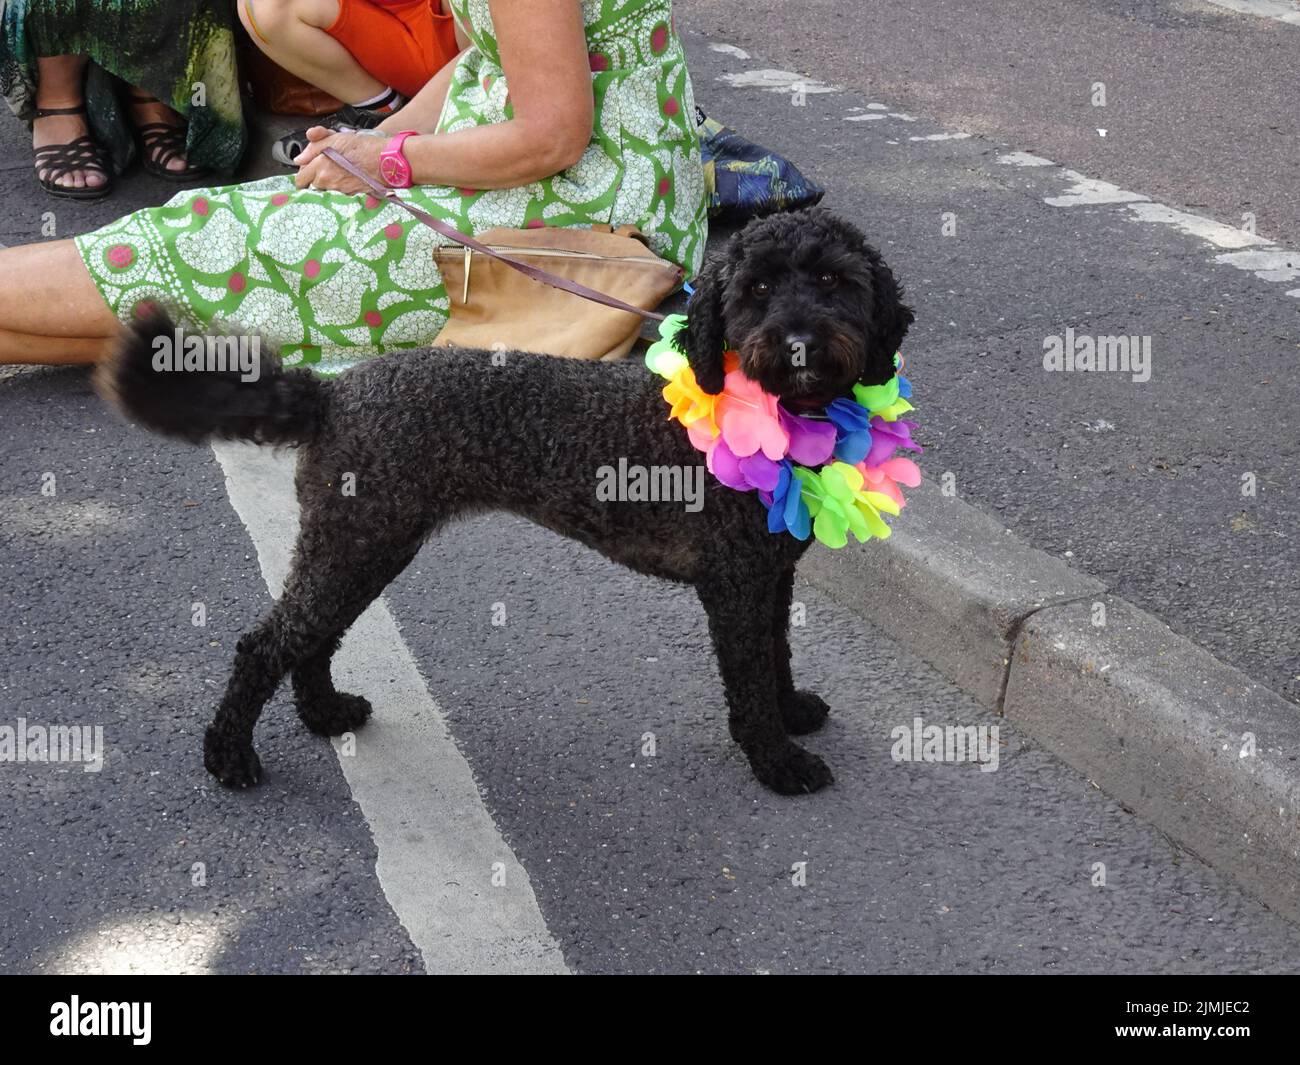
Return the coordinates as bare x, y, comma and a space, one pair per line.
493, 305
579, 293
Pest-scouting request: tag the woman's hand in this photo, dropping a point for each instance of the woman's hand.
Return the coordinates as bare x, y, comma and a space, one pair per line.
318, 172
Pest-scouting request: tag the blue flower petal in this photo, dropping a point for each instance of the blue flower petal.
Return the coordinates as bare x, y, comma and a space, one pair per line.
796, 516
853, 447
848, 416
776, 499
775, 519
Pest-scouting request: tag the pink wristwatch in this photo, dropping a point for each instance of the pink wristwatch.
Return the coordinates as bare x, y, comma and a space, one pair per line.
394, 169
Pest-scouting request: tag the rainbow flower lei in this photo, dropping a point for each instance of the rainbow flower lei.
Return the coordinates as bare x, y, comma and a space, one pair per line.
827, 474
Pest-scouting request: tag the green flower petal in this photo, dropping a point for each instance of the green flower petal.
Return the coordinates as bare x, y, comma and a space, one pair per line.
877, 397
830, 528
662, 357
836, 486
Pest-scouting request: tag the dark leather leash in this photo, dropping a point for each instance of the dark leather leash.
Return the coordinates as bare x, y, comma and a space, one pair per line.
439, 226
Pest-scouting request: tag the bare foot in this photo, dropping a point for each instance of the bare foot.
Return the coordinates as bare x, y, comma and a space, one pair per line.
54, 130
165, 150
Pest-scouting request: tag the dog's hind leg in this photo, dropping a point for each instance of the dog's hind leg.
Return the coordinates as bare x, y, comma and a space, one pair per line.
262, 657
801, 711
322, 708
742, 615
332, 583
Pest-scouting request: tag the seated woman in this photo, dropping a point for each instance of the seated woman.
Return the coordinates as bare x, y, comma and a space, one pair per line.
557, 114
58, 65
373, 54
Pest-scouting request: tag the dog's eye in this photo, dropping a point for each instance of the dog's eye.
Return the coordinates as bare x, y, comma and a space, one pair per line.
827, 279
761, 289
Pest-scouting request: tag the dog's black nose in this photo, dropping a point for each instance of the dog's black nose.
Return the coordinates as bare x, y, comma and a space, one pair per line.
799, 343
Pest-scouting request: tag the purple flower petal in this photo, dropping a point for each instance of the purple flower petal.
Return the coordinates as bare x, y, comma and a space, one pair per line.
811, 441
725, 466
760, 471
888, 437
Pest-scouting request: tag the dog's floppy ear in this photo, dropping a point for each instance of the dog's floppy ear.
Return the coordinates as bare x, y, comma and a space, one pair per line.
890, 318
706, 329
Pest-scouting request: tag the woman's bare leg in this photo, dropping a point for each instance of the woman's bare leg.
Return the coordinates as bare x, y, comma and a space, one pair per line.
292, 32
24, 349
50, 309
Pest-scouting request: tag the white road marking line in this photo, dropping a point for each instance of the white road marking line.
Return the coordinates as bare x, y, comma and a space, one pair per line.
437, 843
1277, 265
1195, 225
1086, 190
729, 49
857, 114
1022, 159
775, 81
1274, 9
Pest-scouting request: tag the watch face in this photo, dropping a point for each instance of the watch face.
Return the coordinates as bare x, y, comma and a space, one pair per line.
392, 170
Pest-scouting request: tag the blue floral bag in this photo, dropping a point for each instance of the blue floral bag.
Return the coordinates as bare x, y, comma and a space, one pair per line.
745, 179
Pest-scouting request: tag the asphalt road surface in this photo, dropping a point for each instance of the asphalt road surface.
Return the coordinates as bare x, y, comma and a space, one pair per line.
1143, 485
559, 791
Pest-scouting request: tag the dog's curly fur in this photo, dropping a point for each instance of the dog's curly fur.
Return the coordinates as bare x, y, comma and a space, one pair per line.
431, 434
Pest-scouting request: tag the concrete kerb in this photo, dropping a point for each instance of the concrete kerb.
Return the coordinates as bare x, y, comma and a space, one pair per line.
1188, 743
952, 585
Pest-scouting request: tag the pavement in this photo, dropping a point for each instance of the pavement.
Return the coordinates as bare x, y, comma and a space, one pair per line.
558, 792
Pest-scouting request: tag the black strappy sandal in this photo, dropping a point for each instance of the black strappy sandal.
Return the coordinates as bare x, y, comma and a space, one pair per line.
57, 160
160, 143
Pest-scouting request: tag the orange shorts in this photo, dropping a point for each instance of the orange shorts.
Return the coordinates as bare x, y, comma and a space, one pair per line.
402, 43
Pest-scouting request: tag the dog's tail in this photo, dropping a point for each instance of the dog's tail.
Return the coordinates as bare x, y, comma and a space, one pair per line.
150, 378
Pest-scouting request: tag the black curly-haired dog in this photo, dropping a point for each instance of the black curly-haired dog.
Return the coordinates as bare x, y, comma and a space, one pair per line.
434, 433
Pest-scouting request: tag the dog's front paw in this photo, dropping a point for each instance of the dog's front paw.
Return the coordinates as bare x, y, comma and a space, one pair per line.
234, 764
790, 770
803, 712
334, 714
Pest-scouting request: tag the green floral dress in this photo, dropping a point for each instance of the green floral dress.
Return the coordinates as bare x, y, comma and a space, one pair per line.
331, 279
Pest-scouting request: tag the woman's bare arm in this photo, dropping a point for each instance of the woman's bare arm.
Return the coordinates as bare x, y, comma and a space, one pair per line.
543, 50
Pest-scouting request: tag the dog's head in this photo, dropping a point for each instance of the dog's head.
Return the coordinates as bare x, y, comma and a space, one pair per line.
809, 305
